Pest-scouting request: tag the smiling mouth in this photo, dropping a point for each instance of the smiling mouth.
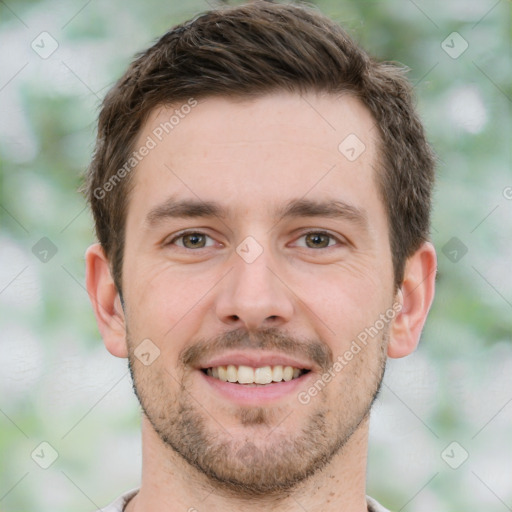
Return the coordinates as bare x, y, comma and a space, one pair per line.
248, 375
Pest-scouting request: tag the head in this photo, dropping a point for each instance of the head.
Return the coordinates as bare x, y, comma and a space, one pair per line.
300, 171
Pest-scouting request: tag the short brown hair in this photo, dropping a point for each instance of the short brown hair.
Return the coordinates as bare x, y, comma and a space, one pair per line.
248, 51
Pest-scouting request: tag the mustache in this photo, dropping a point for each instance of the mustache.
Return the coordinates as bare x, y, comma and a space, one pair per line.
265, 339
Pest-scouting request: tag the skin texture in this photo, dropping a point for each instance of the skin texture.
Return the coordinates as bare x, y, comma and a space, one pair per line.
301, 296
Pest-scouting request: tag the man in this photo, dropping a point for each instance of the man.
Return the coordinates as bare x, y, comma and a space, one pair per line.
261, 190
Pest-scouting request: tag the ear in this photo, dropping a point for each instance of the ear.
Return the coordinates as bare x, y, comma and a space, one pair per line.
105, 301
416, 295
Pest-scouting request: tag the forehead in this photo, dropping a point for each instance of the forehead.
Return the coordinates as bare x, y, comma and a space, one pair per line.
257, 152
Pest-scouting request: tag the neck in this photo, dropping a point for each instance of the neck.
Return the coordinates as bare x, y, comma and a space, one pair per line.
170, 484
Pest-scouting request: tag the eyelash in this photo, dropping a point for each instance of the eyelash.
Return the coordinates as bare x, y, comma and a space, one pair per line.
315, 232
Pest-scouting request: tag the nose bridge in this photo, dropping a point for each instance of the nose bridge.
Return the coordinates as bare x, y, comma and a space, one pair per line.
252, 268
253, 295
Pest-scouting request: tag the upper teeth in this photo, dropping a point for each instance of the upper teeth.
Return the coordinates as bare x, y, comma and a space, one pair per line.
248, 375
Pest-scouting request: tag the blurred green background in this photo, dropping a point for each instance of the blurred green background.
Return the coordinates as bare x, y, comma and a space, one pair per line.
441, 433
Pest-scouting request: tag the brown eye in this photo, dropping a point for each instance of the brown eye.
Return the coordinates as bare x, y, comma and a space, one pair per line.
317, 240
194, 240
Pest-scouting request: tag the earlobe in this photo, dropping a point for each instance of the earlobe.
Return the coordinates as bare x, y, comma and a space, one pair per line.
105, 301
417, 294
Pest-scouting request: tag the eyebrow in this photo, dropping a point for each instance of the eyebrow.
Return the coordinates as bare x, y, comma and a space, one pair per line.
334, 209
192, 208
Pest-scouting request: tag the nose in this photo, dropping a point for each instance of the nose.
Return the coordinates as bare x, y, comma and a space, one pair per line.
254, 295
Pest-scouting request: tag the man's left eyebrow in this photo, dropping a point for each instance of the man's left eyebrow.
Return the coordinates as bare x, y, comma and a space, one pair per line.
335, 209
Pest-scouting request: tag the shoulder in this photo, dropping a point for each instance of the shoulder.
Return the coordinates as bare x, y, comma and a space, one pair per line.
119, 504
374, 506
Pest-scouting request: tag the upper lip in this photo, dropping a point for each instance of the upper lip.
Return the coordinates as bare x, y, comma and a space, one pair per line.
255, 359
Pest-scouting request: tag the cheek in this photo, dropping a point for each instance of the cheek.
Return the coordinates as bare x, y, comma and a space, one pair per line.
345, 300
164, 303
157, 389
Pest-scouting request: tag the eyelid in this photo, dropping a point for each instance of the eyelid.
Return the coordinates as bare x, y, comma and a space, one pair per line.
184, 233
322, 232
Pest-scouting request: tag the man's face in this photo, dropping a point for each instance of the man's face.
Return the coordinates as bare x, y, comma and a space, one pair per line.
273, 279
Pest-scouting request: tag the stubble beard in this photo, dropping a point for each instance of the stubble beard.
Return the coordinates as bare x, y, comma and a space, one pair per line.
268, 461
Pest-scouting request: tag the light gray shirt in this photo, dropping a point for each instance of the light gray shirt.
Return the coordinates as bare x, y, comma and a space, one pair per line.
120, 503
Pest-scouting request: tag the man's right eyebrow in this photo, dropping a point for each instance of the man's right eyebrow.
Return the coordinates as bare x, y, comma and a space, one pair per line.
184, 208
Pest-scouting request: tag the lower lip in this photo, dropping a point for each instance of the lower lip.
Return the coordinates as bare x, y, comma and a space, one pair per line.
254, 395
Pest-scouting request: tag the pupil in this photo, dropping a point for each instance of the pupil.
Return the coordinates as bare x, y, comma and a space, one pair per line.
316, 240
193, 239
